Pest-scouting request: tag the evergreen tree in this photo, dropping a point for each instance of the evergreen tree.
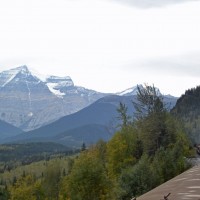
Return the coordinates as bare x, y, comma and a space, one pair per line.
123, 116
151, 117
83, 148
149, 101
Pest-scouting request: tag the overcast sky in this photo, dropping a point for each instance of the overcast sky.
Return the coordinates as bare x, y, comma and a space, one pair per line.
106, 45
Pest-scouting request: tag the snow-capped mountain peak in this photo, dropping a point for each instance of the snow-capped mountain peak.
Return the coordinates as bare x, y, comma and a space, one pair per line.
56, 85
133, 91
129, 92
23, 72
8, 75
30, 100
23, 69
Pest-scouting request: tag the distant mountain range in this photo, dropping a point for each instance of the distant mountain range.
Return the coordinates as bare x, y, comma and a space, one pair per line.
54, 109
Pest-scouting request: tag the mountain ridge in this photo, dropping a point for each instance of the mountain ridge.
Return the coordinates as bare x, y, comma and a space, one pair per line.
29, 102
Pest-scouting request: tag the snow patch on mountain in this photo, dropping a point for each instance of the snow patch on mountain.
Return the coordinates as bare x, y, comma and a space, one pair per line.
52, 87
35, 73
57, 84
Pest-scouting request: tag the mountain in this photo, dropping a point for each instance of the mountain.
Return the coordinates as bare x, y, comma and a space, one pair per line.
29, 102
97, 121
187, 110
128, 92
8, 130
133, 91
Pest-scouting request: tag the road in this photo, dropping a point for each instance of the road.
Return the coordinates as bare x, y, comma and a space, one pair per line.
182, 187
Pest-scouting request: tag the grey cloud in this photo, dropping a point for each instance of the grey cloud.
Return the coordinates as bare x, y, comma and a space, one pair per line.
151, 3
175, 69
184, 65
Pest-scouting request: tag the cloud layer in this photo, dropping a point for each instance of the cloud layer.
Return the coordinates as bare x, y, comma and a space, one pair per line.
151, 3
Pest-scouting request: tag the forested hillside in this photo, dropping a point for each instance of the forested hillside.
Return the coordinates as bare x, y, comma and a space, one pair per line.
14, 155
143, 154
187, 110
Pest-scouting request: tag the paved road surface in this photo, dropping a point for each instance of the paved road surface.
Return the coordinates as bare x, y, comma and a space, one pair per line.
185, 186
